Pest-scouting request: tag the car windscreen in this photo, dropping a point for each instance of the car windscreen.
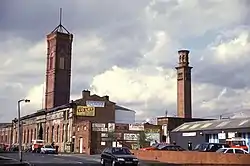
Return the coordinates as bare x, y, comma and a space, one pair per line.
48, 146
221, 150
121, 151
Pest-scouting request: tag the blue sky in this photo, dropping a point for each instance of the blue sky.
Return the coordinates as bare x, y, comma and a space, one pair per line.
128, 50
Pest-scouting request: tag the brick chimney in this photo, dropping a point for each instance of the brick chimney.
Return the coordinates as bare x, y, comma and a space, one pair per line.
85, 93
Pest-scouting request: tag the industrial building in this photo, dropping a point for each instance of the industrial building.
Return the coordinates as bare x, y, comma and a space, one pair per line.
214, 131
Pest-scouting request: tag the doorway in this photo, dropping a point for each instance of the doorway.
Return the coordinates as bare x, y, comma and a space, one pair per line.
80, 144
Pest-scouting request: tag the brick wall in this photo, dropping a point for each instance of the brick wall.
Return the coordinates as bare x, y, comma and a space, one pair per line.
192, 157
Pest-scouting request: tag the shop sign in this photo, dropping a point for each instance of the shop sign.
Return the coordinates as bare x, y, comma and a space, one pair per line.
85, 111
95, 103
152, 130
111, 127
221, 135
189, 134
121, 127
136, 127
131, 136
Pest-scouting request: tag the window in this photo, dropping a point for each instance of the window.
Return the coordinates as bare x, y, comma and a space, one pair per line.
31, 135
239, 151
28, 136
35, 134
63, 133
61, 63
47, 134
230, 151
57, 134
52, 134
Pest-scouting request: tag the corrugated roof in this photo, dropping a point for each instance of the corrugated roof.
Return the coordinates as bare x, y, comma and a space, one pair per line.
214, 124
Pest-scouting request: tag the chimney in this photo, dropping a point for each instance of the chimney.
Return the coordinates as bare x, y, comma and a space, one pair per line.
106, 97
85, 93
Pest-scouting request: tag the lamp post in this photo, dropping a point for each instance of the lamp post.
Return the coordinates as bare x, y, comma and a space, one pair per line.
19, 127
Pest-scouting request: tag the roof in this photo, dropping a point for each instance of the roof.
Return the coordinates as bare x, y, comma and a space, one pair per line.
117, 107
214, 124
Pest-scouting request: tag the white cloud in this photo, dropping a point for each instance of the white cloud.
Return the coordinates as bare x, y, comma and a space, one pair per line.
131, 55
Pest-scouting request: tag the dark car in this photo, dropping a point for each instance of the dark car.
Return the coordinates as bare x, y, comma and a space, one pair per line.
118, 156
210, 147
170, 147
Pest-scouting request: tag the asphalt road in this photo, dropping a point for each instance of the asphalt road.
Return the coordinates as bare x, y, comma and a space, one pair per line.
36, 159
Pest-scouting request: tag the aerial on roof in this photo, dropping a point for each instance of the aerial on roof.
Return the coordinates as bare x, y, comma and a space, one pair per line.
214, 124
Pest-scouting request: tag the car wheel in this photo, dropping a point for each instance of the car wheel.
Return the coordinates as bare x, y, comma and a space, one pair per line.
102, 162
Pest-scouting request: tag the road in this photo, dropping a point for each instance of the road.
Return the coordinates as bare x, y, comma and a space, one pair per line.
37, 159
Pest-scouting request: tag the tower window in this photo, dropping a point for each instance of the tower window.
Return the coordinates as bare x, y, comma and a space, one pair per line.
61, 63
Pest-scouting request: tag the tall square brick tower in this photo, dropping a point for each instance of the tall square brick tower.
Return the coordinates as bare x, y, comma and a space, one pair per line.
184, 93
58, 70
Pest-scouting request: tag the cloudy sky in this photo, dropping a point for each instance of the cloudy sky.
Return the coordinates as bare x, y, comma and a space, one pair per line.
128, 50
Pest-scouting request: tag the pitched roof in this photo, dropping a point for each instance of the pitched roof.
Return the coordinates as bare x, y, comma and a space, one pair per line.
214, 124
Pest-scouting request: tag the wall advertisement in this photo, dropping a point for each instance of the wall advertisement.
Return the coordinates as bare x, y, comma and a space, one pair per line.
131, 136
136, 127
85, 111
91, 103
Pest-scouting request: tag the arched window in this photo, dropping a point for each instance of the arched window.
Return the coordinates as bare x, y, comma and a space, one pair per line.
47, 133
28, 136
16, 141
57, 133
31, 135
63, 133
52, 134
35, 134
24, 136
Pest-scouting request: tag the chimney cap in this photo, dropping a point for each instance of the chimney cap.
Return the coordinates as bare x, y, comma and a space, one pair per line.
185, 51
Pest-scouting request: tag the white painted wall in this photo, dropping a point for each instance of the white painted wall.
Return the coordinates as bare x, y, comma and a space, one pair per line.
124, 116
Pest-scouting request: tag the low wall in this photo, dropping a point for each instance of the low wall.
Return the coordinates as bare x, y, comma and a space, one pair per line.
193, 157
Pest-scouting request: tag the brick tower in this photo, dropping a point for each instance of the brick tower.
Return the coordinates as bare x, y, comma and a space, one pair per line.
184, 94
58, 72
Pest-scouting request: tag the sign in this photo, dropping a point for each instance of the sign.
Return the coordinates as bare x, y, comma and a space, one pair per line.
136, 127
152, 137
99, 127
95, 103
111, 127
104, 135
231, 134
221, 135
190, 134
85, 111
121, 127
131, 137
152, 130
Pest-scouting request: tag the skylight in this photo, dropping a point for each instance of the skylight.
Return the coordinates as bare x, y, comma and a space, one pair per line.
222, 124
243, 122
206, 125
194, 126
183, 127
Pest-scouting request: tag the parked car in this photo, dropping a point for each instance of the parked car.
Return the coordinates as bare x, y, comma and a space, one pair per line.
170, 147
210, 147
232, 150
48, 149
153, 147
118, 156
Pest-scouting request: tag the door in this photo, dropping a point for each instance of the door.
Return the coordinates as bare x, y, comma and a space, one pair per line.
81, 144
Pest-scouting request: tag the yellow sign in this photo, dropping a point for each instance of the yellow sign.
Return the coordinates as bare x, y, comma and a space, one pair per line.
85, 111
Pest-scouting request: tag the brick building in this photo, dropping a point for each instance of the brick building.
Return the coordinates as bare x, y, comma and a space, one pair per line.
84, 125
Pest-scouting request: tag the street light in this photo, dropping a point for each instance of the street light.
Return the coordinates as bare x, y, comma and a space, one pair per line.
19, 126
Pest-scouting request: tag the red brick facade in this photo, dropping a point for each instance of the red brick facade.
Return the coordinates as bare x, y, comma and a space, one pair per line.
58, 72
